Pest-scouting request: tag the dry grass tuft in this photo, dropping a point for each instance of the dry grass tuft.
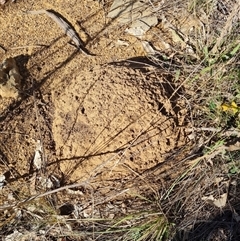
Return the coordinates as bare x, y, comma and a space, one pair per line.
193, 194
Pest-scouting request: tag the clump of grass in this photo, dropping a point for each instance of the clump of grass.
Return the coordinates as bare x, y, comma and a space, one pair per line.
210, 80
140, 227
213, 89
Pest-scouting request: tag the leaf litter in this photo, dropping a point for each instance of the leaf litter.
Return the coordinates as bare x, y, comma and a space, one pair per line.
214, 198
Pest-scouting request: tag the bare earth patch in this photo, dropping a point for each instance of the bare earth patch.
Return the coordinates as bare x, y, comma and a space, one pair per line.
108, 121
91, 112
98, 122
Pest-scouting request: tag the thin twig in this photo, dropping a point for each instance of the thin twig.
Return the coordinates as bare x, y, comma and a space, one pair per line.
230, 132
13, 133
27, 200
30, 46
2, 48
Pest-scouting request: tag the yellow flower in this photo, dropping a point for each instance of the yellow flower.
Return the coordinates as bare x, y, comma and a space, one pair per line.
233, 108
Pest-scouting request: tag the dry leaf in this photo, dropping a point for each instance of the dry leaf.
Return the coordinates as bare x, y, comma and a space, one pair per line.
148, 48
37, 161
122, 43
220, 202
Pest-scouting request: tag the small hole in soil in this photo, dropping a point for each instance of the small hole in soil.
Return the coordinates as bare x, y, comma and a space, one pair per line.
162, 109
66, 209
83, 110
168, 142
131, 159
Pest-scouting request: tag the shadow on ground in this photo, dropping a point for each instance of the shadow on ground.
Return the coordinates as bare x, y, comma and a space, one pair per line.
224, 226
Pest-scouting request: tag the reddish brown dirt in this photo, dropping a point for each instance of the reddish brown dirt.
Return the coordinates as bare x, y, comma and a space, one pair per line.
91, 117
115, 127
99, 121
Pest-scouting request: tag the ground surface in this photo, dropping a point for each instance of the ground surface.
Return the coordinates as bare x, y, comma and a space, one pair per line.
99, 121
85, 110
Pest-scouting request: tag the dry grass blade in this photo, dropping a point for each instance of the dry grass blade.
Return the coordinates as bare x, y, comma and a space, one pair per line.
3, 49
7, 207
65, 26
227, 27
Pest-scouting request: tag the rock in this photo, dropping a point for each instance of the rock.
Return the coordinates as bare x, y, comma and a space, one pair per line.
136, 13
10, 79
